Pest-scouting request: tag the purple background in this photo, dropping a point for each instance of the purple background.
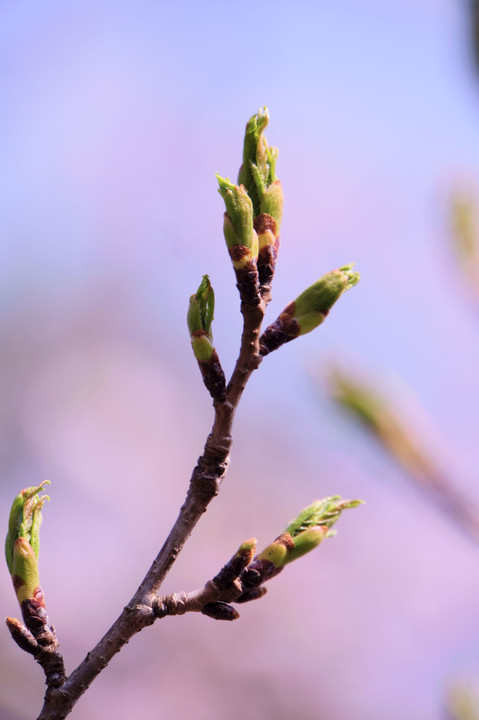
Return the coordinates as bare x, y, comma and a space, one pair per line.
115, 117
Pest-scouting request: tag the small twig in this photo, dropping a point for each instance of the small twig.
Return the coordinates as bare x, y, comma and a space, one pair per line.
214, 597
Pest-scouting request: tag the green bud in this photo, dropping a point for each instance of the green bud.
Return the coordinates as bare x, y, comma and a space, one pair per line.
278, 551
202, 307
258, 171
312, 306
200, 317
307, 541
255, 170
320, 512
313, 524
309, 310
238, 225
25, 520
26, 580
202, 346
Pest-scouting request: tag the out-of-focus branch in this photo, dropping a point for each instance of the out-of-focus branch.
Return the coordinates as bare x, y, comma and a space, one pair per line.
465, 239
462, 703
366, 403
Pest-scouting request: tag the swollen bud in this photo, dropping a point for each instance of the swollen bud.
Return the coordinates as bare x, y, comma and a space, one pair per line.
24, 571
314, 523
309, 309
25, 520
241, 238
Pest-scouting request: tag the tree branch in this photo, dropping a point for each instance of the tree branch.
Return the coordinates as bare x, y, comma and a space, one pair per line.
251, 230
204, 486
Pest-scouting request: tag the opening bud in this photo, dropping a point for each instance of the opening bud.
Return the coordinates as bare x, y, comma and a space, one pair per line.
312, 306
321, 512
313, 524
258, 171
199, 318
25, 520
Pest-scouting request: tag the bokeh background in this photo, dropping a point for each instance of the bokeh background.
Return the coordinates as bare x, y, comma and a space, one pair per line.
114, 118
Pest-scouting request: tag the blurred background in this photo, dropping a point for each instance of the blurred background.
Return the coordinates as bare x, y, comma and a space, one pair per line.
115, 118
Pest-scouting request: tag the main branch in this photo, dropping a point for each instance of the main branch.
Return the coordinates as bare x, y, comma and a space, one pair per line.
204, 486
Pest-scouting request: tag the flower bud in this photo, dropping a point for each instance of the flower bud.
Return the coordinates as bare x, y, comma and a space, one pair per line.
309, 309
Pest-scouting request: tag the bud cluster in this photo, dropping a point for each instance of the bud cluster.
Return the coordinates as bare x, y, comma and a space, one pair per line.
254, 209
242, 578
251, 225
304, 533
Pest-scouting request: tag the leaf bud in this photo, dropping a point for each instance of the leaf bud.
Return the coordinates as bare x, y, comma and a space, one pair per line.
314, 523
25, 520
199, 318
258, 159
241, 238
309, 309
